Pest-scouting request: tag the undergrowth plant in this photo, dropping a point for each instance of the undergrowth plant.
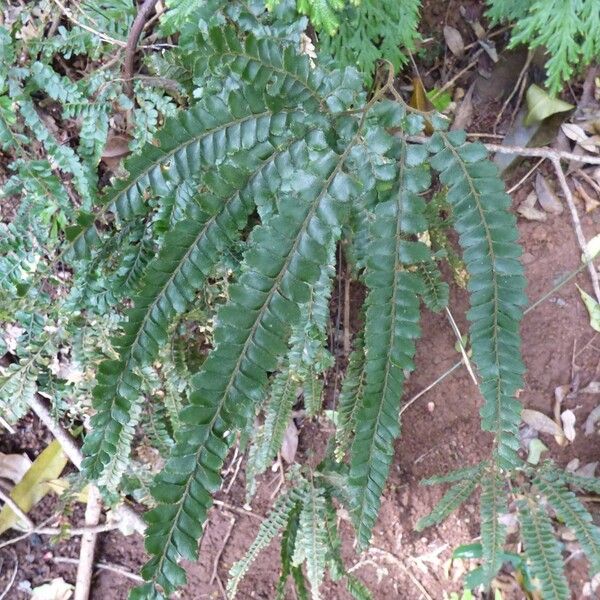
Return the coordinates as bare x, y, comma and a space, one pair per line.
220, 246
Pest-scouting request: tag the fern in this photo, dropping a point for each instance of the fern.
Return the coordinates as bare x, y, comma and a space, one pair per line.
487, 234
350, 399
452, 499
311, 540
543, 551
269, 528
573, 514
391, 325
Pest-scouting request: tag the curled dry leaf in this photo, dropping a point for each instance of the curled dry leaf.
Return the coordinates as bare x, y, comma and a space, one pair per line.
546, 196
590, 422
540, 422
589, 202
290, 443
593, 309
528, 210
57, 589
592, 247
464, 112
588, 470
454, 41
593, 387
578, 135
568, 421
14, 466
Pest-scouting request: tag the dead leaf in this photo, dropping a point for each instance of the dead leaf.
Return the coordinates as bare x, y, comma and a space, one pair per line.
490, 49
527, 209
568, 422
593, 308
57, 589
590, 422
589, 202
593, 248
32, 488
546, 196
454, 41
14, 466
593, 387
464, 112
540, 422
290, 443
588, 470
116, 146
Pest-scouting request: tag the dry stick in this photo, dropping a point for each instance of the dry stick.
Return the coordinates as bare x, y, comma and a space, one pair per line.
215, 568
516, 87
347, 312
102, 566
577, 225
88, 545
123, 513
12, 578
17, 510
132, 41
452, 81
240, 511
458, 335
525, 177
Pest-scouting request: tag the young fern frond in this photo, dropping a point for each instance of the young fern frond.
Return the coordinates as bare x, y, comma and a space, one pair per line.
573, 514
391, 326
277, 520
311, 540
488, 234
543, 551
436, 291
493, 503
458, 494
288, 543
457, 475
350, 399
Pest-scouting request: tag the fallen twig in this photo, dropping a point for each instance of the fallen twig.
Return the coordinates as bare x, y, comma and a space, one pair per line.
217, 559
101, 566
132, 41
88, 545
17, 510
577, 225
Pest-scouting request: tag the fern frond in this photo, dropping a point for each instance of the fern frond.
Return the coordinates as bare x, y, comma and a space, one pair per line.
543, 551
573, 514
488, 234
189, 253
288, 542
451, 500
251, 336
493, 503
276, 520
457, 475
350, 400
392, 325
311, 541
435, 290
589, 484
201, 137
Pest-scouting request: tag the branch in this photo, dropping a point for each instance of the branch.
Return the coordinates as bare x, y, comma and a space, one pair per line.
132, 41
88, 545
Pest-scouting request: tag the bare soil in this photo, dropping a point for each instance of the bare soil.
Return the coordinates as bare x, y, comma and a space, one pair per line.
440, 432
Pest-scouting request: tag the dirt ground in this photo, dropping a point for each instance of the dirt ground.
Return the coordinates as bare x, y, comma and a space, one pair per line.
440, 432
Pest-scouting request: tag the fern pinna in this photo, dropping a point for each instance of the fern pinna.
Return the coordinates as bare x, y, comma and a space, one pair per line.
287, 161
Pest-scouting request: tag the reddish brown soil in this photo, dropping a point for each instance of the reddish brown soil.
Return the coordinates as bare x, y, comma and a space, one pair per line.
433, 441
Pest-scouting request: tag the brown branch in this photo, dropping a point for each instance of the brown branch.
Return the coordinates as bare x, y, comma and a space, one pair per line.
88, 545
132, 41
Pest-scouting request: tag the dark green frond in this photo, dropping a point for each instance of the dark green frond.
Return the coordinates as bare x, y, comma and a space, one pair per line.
457, 475
435, 290
391, 326
488, 236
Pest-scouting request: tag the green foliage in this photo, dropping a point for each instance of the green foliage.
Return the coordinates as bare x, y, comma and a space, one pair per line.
191, 295
569, 31
370, 31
